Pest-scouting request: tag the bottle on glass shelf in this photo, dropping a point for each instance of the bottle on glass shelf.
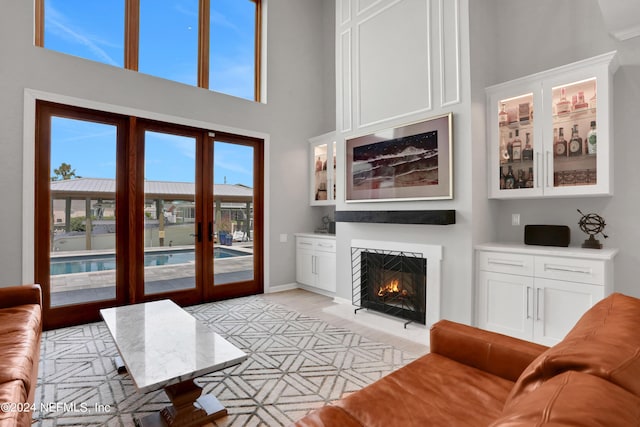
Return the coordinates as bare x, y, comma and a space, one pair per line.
503, 116
592, 143
563, 106
593, 100
575, 143
527, 151
502, 178
529, 183
510, 147
581, 105
520, 182
560, 146
510, 180
517, 147
504, 154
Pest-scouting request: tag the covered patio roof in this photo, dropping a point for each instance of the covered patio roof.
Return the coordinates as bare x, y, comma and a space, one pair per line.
102, 188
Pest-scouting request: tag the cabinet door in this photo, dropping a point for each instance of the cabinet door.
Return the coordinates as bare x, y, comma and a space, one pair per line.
577, 162
323, 169
326, 271
305, 264
505, 304
515, 140
558, 305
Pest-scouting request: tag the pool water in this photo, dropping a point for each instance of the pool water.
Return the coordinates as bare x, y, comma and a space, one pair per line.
89, 263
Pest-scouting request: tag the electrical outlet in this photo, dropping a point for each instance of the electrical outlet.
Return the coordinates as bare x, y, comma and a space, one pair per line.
515, 219
283, 238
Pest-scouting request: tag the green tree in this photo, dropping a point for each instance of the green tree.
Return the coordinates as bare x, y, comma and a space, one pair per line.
63, 172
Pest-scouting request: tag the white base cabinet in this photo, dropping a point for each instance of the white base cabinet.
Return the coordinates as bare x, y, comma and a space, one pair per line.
538, 293
316, 261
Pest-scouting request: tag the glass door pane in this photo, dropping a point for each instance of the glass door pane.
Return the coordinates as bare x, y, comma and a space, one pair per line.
82, 261
233, 208
170, 226
515, 121
574, 134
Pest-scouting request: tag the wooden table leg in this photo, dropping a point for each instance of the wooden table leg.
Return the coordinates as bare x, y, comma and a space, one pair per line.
189, 408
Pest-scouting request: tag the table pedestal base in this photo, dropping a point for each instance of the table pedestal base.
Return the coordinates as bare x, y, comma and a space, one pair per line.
188, 408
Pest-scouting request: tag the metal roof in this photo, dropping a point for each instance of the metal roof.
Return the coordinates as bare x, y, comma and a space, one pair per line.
106, 187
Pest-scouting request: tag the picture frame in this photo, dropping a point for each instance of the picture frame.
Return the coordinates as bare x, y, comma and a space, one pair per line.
409, 162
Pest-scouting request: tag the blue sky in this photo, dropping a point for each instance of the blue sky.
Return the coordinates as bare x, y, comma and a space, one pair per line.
168, 49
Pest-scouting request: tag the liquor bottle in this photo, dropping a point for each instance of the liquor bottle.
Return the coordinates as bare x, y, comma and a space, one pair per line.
575, 143
529, 183
520, 182
592, 139
581, 105
527, 152
503, 117
510, 180
563, 106
523, 113
504, 154
593, 100
517, 147
502, 178
560, 146
510, 147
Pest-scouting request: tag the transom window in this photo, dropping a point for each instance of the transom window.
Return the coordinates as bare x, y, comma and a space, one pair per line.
213, 44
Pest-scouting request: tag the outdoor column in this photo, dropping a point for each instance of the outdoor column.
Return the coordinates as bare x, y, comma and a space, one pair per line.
67, 214
248, 226
88, 227
218, 216
160, 216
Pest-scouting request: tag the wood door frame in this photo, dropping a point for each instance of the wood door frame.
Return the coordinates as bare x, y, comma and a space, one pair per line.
54, 317
256, 285
129, 204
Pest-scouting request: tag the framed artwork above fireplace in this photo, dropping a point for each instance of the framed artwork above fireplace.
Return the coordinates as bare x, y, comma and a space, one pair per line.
410, 162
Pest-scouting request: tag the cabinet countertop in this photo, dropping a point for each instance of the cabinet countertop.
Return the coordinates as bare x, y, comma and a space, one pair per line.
316, 235
570, 252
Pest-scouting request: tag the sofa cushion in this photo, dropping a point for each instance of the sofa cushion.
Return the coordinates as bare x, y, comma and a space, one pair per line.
573, 399
19, 343
432, 390
605, 342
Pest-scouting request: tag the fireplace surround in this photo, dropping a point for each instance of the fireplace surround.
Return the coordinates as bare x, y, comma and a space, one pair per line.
420, 301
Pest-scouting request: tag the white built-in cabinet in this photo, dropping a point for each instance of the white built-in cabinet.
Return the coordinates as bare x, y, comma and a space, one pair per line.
538, 293
316, 261
322, 152
539, 132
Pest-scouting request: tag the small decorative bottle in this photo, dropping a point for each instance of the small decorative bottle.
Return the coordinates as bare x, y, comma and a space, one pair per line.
503, 117
517, 147
527, 152
563, 106
592, 143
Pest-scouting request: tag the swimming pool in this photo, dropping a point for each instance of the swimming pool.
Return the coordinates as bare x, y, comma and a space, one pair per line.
89, 263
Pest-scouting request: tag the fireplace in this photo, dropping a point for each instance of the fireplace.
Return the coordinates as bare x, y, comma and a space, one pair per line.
397, 279
392, 283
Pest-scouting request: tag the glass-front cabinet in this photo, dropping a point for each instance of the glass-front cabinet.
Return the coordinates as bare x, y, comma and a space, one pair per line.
549, 134
323, 169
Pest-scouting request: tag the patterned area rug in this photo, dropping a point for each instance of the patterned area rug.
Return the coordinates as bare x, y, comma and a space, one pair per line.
296, 364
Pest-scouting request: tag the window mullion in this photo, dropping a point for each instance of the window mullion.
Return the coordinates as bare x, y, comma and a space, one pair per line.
131, 34
203, 43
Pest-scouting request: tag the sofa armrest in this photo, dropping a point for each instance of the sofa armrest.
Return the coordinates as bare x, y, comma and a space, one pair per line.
491, 352
20, 295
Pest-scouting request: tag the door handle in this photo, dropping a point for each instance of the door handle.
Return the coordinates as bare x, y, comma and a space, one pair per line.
528, 302
199, 232
538, 304
210, 231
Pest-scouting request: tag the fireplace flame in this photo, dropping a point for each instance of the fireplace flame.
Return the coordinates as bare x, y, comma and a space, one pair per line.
390, 288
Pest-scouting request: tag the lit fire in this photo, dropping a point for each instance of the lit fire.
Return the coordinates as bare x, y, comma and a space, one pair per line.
393, 287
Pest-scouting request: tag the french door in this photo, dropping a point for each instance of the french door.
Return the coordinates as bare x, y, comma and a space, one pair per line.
131, 210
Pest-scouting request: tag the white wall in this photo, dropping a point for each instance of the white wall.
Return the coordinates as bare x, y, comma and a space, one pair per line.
296, 110
554, 33
385, 81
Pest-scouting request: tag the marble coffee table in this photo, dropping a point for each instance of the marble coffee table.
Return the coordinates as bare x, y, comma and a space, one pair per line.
162, 345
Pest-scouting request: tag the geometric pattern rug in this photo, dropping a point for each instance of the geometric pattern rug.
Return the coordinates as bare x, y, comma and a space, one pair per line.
296, 363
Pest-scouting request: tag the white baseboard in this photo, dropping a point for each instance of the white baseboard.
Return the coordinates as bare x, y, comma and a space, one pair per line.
282, 288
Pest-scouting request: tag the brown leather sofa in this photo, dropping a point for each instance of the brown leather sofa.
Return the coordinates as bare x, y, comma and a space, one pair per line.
477, 378
20, 335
